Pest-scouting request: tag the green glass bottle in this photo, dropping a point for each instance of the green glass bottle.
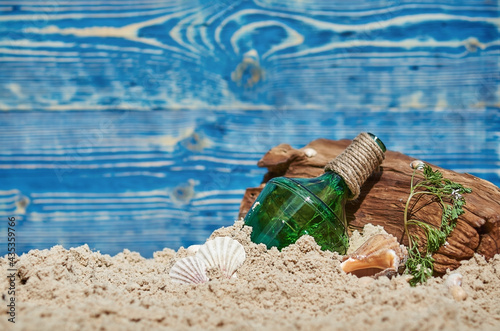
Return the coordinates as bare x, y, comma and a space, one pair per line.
288, 208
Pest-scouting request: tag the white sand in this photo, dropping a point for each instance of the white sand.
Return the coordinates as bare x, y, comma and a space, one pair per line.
300, 288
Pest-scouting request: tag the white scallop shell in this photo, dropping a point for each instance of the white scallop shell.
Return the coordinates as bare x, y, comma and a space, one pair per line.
224, 253
193, 249
189, 270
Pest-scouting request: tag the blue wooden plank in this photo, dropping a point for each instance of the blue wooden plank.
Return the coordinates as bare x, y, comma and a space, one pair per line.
148, 180
192, 54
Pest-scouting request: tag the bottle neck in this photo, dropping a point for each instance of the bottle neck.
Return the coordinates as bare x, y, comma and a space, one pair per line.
378, 141
357, 162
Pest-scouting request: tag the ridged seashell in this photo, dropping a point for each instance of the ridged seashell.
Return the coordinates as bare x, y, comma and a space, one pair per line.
193, 249
380, 255
224, 253
189, 270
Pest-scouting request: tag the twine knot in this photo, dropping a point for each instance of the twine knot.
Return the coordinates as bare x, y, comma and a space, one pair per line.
357, 162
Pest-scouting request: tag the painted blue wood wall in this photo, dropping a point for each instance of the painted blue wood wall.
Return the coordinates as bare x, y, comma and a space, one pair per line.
138, 124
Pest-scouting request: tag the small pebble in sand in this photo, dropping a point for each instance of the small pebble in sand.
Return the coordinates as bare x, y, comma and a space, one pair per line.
458, 293
454, 284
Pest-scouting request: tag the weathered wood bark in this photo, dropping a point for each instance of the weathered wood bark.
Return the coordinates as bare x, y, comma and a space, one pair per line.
383, 198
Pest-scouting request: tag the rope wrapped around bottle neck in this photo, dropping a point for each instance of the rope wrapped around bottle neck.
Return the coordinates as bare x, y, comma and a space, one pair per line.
357, 162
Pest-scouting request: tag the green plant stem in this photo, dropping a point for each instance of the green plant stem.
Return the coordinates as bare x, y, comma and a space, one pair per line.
406, 221
449, 195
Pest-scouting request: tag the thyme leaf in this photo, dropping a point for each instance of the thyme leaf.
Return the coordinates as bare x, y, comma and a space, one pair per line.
450, 196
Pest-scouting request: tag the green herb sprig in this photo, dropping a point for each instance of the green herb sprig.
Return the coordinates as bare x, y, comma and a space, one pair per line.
450, 196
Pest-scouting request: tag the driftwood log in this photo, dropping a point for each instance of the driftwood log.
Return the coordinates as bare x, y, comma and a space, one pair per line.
384, 195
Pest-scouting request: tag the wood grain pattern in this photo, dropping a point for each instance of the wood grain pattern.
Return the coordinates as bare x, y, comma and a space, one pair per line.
142, 55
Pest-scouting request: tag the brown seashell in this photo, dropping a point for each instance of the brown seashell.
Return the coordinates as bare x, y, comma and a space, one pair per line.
380, 255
